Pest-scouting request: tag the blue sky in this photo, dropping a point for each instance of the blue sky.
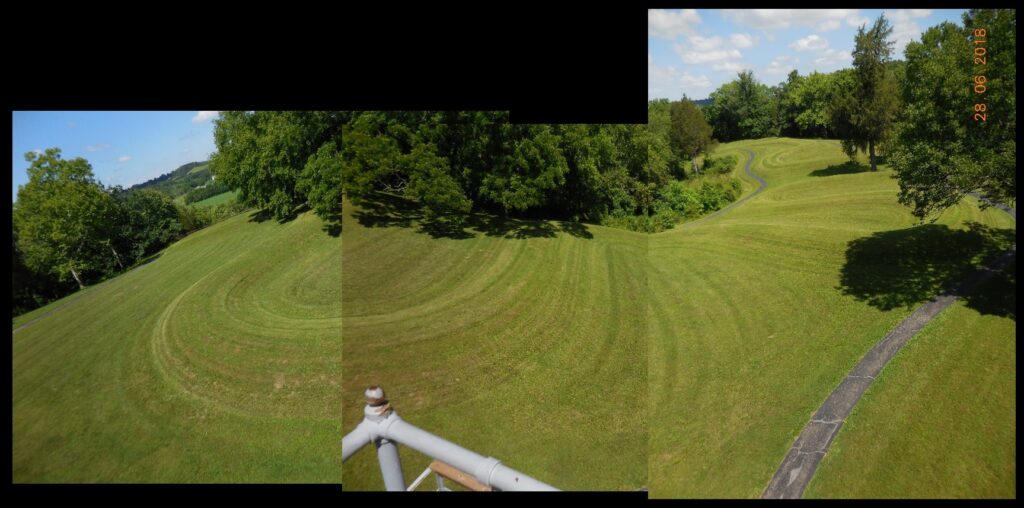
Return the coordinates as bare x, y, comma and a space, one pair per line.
124, 147
694, 51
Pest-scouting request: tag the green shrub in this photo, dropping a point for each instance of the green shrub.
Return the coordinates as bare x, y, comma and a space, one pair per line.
719, 165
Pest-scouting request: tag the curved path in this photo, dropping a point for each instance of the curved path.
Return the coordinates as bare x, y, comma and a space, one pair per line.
751, 174
798, 466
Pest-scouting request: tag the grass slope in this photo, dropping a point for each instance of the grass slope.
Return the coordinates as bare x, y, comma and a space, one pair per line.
217, 362
756, 315
221, 198
519, 340
940, 422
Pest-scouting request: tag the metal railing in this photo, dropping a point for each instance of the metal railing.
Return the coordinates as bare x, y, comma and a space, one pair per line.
383, 427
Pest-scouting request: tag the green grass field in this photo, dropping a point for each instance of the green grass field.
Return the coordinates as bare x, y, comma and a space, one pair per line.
219, 361
953, 434
757, 315
221, 198
518, 340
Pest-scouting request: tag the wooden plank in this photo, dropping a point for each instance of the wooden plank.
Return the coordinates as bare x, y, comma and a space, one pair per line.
460, 478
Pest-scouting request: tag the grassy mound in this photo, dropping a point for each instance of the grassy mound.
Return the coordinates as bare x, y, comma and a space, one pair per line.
219, 361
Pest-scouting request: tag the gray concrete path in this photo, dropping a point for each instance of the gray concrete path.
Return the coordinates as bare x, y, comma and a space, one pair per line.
798, 466
749, 173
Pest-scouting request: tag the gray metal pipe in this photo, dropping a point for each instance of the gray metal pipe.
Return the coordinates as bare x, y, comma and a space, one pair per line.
382, 424
390, 465
354, 441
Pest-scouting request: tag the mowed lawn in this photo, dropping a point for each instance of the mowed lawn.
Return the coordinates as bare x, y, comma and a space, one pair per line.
219, 361
521, 340
221, 198
941, 420
756, 315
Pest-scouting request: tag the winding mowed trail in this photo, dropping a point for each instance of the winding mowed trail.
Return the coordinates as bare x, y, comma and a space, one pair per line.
758, 314
520, 340
220, 361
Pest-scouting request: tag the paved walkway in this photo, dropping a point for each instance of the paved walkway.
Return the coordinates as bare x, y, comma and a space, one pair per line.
798, 467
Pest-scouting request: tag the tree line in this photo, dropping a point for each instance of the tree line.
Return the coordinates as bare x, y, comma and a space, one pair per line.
943, 117
458, 162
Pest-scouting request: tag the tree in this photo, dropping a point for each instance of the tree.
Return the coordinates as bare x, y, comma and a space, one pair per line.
265, 154
690, 134
942, 150
866, 103
741, 109
62, 216
147, 221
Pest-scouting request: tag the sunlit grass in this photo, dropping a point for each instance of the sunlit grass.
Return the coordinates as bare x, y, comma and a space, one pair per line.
219, 361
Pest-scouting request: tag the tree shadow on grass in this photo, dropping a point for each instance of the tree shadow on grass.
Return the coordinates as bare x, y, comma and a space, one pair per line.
846, 168
907, 267
332, 224
263, 215
385, 210
997, 295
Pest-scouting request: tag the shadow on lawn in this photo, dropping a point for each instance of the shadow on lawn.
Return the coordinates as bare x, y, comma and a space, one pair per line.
332, 223
846, 168
906, 267
263, 214
392, 211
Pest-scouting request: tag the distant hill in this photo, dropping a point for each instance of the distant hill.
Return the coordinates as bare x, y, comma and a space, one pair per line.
180, 181
703, 103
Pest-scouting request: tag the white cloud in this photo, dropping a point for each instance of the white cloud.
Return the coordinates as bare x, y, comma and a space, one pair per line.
821, 20
669, 24
727, 66
834, 58
721, 54
701, 57
742, 40
704, 43
812, 42
97, 147
689, 81
124, 158
904, 28
778, 66
204, 116
671, 83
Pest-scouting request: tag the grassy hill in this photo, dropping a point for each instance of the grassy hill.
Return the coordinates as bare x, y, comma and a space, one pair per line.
521, 340
221, 198
181, 180
219, 361
757, 314
688, 361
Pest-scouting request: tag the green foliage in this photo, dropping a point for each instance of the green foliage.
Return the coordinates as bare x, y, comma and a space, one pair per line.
320, 180
208, 191
940, 151
147, 221
689, 134
742, 109
719, 165
63, 217
865, 102
276, 159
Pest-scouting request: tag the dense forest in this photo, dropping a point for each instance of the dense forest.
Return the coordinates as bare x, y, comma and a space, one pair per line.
457, 162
